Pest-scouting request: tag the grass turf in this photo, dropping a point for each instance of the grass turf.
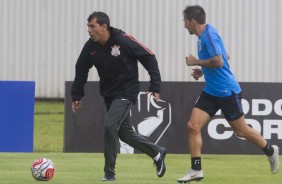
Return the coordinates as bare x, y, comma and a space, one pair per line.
87, 168
48, 126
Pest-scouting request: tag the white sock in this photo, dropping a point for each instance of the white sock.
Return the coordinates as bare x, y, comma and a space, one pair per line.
156, 158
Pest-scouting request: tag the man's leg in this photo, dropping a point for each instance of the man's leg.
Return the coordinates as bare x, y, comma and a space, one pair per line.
117, 112
128, 135
194, 126
197, 120
243, 130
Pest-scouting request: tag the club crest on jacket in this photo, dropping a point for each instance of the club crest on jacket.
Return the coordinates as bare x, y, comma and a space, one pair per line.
115, 50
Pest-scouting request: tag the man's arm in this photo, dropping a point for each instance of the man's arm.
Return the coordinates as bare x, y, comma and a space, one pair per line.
81, 74
148, 60
214, 62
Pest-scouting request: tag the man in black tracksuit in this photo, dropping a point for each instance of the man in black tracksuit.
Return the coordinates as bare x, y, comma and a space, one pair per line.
115, 54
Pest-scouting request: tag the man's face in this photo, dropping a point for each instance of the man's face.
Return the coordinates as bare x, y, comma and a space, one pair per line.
189, 25
96, 32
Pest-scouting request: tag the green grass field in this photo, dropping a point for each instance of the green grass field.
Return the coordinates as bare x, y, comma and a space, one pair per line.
48, 126
87, 168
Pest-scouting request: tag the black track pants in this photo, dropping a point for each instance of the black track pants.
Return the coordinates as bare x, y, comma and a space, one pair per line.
118, 125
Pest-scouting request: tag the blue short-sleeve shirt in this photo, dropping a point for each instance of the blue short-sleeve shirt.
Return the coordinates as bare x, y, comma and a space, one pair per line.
219, 81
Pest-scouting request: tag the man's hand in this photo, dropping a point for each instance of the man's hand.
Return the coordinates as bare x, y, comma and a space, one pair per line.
197, 73
191, 60
152, 117
156, 95
75, 105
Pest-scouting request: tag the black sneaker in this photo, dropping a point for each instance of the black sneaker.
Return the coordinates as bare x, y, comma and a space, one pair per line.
109, 178
160, 164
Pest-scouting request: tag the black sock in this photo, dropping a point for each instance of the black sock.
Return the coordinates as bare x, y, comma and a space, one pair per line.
196, 163
268, 150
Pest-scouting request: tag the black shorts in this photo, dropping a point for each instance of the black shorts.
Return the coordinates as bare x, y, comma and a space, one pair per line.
230, 106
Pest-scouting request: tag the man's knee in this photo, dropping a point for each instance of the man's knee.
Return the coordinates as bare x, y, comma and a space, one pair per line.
240, 133
193, 128
109, 129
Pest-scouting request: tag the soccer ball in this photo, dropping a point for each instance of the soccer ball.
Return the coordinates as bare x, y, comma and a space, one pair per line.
42, 169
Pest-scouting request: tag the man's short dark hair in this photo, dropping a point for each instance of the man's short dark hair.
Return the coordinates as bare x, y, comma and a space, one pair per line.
102, 18
195, 12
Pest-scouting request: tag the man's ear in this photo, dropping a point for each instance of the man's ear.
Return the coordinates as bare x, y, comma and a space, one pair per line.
104, 26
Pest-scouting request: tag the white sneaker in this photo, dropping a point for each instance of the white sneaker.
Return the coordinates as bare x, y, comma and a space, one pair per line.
191, 175
274, 160
109, 178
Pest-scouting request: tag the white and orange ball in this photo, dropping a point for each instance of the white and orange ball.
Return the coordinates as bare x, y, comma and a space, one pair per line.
43, 169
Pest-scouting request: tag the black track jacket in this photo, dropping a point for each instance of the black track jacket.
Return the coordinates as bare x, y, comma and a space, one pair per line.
116, 63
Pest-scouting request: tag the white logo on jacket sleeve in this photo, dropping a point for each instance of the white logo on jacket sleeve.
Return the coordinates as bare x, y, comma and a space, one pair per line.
115, 50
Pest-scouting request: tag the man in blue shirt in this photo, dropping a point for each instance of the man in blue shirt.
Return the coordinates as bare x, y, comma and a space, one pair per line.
221, 91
